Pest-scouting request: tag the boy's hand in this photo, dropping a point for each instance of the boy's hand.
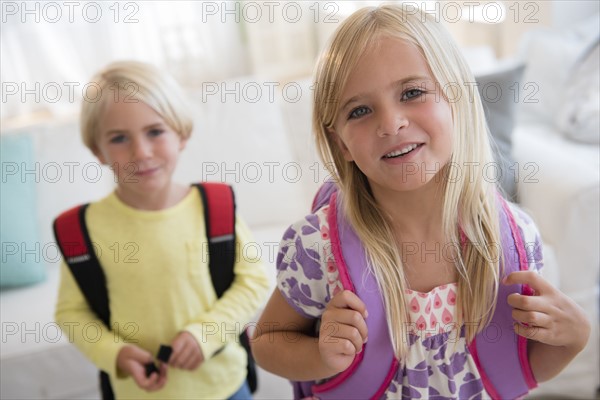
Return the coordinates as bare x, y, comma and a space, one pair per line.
187, 353
551, 317
131, 360
343, 330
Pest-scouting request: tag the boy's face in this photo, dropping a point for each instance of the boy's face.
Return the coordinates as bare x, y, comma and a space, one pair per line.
393, 121
140, 147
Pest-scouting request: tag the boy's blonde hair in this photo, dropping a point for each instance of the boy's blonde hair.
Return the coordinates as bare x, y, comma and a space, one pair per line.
469, 202
134, 81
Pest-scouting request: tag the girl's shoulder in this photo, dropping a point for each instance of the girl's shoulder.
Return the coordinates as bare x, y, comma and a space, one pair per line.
524, 222
307, 275
530, 235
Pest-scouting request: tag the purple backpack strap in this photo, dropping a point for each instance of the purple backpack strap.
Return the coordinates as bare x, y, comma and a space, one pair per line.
376, 364
323, 195
499, 353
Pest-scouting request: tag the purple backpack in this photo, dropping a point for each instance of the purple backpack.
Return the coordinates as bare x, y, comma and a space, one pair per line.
499, 353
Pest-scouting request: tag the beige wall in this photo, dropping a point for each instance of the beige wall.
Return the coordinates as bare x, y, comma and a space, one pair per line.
503, 37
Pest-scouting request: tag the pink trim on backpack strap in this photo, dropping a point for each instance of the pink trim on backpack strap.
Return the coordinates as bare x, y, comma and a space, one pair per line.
342, 376
386, 381
336, 248
336, 245
527, 291
487, 384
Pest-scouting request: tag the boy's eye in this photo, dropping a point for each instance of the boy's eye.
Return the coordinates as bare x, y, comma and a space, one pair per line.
358, 112
411, 94
155, 132
117, 139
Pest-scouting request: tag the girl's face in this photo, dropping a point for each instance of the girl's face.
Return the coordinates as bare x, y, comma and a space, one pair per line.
394, 122
140, 147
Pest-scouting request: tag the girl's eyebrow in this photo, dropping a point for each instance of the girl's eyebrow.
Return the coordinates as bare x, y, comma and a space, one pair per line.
395, 84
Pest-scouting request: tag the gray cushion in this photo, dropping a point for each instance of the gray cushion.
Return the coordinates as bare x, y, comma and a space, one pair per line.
497, 91
579, 117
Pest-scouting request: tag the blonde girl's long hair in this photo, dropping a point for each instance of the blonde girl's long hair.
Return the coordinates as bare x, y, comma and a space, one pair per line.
469, 200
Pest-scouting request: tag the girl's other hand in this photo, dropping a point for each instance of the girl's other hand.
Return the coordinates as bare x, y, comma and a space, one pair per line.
549, 316
343, 330
132, 361
186, 352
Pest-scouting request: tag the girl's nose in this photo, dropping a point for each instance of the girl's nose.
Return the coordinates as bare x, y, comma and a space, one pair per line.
391, 120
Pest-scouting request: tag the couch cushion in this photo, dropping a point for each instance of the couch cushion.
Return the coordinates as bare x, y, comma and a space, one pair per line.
550, 54
22, 261
496, 91
239, 137
579, 118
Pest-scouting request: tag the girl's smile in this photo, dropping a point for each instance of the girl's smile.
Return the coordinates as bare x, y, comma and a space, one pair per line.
402, 153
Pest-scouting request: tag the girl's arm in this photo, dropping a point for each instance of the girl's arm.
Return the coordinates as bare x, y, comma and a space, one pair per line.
284, 343
557, 328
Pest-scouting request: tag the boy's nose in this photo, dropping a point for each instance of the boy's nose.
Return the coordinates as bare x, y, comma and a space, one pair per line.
141, 149
391, 120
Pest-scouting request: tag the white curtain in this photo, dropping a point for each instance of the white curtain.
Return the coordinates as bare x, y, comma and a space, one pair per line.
50, 50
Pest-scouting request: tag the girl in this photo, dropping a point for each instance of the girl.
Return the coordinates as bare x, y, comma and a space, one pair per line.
404, 272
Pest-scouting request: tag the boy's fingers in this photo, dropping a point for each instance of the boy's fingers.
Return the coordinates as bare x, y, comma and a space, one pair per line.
177, 355
183, 358
141, 379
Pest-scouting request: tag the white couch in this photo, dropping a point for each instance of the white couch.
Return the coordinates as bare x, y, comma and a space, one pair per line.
560, 181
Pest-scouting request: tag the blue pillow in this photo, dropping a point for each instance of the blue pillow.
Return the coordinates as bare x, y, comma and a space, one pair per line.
22, 260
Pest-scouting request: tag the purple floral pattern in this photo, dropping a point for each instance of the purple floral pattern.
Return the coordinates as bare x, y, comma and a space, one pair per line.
438, 366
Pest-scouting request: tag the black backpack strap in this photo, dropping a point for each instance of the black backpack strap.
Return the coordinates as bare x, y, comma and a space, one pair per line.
71, 234
219, 217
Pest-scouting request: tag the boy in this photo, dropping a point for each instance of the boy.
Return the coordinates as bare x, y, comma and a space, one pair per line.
149, 237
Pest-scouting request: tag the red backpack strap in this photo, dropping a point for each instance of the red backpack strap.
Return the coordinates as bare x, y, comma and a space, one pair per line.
219, 218
71, 234
72, 237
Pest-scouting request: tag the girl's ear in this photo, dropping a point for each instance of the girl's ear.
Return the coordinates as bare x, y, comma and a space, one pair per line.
340, 143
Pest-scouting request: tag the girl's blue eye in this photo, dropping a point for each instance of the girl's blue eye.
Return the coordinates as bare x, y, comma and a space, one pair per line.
411, 94
358, 112
117, 139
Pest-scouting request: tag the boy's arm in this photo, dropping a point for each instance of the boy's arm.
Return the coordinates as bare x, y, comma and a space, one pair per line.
225, 321
83, 328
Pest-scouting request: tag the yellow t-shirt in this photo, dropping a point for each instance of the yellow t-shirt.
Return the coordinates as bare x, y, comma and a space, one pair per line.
156, 268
